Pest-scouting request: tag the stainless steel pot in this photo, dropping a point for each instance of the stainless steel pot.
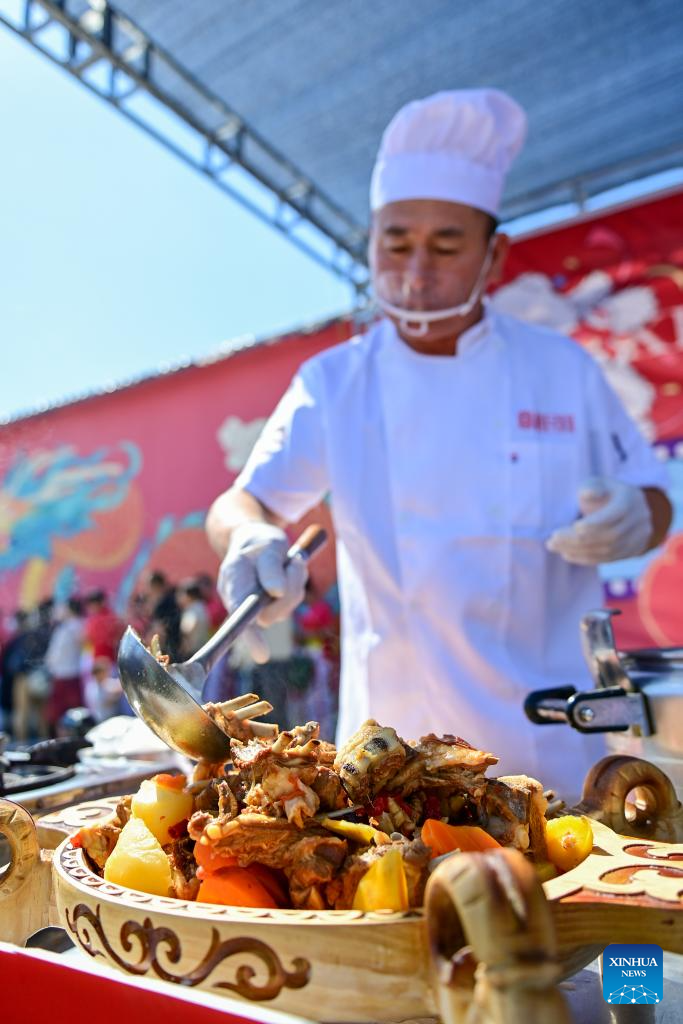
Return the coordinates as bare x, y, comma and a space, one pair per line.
637, 700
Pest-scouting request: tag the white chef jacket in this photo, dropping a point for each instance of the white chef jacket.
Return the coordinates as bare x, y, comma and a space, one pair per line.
447, 474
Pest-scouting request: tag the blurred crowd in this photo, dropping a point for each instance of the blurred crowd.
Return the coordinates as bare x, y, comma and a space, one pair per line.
59, 657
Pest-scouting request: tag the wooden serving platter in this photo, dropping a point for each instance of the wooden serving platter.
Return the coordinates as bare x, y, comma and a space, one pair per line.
490, 941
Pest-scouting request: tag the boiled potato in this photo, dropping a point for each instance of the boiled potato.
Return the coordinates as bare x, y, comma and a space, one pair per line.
569, 840
138, 862
384, 885
161, 805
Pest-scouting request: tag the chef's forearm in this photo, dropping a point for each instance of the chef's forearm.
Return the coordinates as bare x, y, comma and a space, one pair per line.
661, 512
231, 509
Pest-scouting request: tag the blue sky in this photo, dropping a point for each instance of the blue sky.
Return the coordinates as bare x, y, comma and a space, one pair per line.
115, 257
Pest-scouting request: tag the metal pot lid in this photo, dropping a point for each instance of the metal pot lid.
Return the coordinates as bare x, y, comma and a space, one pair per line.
652, 687
21, 777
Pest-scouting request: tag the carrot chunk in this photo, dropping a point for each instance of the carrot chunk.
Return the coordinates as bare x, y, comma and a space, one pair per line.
234, 887
443, 838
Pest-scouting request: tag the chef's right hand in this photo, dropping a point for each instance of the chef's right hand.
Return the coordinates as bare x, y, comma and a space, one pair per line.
255, 558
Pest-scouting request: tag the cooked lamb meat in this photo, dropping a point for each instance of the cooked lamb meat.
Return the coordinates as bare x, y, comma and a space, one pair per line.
285, 791
299, 745
208, 798
308, 898
123, 811
314, 863
227, 801
515, 809
256, 837
99, 840
309, 857
250, 754
504, 814
416, 857
234, 717
372, 756
263, 811
304, 741
329, 790
199, 822
441, 803
342, 889
437, 761
183, 868
284, 773
298, 736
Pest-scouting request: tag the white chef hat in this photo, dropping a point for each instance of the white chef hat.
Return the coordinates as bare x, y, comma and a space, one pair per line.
455, 145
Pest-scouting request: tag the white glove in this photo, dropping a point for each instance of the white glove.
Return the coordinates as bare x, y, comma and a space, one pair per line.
616, 523
256, 558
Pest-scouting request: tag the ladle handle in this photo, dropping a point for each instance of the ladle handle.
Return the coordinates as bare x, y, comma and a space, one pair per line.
310, 541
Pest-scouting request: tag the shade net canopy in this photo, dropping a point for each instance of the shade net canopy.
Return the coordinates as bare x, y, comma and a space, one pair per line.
601, 82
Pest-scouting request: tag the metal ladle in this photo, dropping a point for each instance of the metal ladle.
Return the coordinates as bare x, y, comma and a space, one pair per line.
159, 695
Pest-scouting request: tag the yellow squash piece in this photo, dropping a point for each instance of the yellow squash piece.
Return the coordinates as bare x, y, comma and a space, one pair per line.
356, 831
138, 862
160, 807
569, 840
383, 886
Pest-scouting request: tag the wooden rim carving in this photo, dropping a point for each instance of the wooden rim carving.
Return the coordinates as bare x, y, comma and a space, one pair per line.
146, 948
17, 825
608, 786
492, 942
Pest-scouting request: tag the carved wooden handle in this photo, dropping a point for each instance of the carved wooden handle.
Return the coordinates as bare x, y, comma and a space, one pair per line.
26, 883
634, 798
492, 942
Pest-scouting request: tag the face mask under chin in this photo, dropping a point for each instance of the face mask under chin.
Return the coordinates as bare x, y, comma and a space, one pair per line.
394, 294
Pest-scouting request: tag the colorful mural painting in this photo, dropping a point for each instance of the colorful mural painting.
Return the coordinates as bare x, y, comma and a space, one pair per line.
62, 511
100, 491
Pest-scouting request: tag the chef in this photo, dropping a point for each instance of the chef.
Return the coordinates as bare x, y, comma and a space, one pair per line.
479, 468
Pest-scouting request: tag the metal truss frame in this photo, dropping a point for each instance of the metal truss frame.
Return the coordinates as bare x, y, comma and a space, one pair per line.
117, 61
579, 190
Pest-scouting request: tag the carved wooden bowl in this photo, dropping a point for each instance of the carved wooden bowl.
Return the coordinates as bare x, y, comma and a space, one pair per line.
485, 909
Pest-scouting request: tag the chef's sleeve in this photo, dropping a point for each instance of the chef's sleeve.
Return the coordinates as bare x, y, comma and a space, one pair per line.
618, 449
287, 468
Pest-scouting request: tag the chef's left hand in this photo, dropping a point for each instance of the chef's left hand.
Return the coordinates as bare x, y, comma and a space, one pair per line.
615, 523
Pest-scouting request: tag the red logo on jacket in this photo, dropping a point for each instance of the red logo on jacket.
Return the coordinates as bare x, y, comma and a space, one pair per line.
546, 422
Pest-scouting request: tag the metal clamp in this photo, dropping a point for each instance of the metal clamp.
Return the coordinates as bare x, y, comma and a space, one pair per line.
548, 707
609, 710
